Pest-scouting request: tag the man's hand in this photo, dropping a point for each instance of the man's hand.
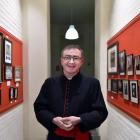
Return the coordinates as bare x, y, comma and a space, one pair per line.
62, 124
71, 120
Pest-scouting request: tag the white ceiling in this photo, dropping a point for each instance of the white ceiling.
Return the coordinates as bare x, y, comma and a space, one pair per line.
72, 11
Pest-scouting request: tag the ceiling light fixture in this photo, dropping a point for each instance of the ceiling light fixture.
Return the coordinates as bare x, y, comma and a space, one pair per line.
71, 33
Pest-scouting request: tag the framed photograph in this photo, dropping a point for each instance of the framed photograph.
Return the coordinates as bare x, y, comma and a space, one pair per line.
17, 73
126, 89
15, 93
134, 94
112, 59
11, 94
137, 65
130, 66
114, 85
108, 84
7, 51
1, 46
8, 72
120, 86
122, 62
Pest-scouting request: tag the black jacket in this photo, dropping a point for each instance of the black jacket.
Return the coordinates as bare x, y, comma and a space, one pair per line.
84, 100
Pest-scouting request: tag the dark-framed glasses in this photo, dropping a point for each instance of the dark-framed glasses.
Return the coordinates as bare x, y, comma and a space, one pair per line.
69, 57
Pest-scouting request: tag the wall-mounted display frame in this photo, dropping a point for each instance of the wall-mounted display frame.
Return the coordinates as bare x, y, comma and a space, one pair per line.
130, 64
17, 73
8, 72
126, 89
10, 55
134, 92
114, 85
11, 94
120, 86
1, 50
137, 64
128, 38
109, 84
112, 59
122, 62
7, 51
15, 93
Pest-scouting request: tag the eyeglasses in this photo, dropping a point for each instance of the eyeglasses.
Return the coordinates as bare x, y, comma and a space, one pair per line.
69, 57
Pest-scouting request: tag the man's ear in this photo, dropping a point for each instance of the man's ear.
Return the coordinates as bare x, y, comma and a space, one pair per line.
60, 66
82, 61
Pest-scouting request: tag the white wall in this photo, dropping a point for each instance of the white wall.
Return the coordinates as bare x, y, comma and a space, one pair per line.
111, 16
10, 16
36, 61
102, 10
11, 122
122, 12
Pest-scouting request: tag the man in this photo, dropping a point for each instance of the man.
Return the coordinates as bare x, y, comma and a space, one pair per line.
71, 104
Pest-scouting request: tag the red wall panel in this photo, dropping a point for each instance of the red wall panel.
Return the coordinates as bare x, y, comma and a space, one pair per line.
129, 40
17, 61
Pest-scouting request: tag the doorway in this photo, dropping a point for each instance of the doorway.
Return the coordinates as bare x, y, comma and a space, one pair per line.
83, 19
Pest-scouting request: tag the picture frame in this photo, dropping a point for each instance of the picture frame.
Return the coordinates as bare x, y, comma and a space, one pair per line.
15, 93
130, 66
120, 86
17, 73
8, 72
108, 84
126, 89
7, 51
114, 85
122, 62
112, 59
1, 50
11, 94
134, 92
137, 64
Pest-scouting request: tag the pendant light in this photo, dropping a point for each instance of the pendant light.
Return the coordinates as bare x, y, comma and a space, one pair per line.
71, 33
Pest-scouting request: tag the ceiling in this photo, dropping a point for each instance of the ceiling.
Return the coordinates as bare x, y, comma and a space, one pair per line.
72, 11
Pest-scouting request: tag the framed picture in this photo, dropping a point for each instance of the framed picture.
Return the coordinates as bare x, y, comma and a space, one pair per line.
7, 51
120, 86
15, 93
112, 59
114, 85
122, 62
126, 89
137, 65
134, 94
130, 67
17, 73
11, 94
1, 46
109, 84
8, 72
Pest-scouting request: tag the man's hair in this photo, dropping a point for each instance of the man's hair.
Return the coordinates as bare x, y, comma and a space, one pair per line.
73, 46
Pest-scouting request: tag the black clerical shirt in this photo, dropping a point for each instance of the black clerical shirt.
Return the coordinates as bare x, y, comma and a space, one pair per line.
81, 96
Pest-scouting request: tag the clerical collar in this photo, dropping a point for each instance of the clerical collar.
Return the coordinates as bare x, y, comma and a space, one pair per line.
70, 78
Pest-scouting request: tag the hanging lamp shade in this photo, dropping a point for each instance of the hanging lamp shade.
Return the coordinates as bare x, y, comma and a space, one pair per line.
71, 33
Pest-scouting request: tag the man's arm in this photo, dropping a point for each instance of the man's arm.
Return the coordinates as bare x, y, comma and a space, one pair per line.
98, 114
43, 114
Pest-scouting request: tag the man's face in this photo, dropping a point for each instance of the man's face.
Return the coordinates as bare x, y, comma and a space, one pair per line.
71, 61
